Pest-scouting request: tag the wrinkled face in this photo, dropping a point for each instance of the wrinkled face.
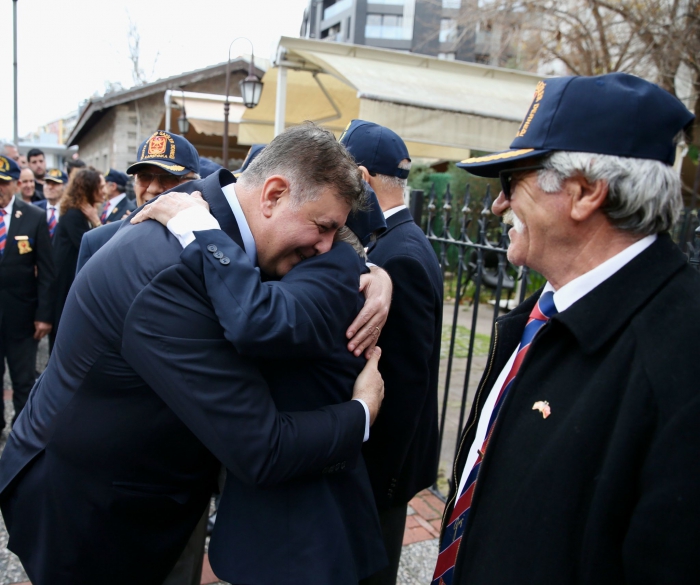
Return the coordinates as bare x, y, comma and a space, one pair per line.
538, 219
38, 165
7, 190
12, 152
109, 190
26, 184
291, 235
150, 181
53, 191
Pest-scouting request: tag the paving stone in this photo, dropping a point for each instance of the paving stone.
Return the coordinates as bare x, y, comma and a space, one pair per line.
416, 535
424, 509
418, 562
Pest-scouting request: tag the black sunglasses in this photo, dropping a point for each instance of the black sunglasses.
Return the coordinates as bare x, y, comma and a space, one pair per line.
506, 177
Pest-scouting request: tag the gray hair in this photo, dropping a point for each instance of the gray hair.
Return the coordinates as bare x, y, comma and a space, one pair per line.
392, 183
345, 234
644, 196
312, 160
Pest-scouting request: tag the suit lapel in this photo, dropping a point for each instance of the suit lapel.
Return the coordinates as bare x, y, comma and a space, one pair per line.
16, 227
218, 204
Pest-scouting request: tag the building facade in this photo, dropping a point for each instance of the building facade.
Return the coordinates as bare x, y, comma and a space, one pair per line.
440, 28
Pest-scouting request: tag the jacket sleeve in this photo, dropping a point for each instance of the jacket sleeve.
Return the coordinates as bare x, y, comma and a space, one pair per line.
85, 252
294, 317
173, 340
45, 273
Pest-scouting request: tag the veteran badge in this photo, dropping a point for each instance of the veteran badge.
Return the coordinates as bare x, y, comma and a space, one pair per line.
18, 214
543, 407
23, 246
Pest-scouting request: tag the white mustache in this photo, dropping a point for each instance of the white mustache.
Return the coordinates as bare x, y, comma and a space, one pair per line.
510, 218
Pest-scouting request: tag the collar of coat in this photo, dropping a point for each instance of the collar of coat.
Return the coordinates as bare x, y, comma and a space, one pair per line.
598, 316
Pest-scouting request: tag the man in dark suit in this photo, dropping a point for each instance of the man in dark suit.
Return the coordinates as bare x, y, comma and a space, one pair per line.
116, 204
54, 186
26, 272
402, 454
578, 463
144, 396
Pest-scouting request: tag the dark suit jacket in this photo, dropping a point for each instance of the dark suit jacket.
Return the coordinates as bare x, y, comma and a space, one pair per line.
113, 460
402, 453
325, 528
41, 203
607, 488
121, 208
25, 279
66, 244
94, 240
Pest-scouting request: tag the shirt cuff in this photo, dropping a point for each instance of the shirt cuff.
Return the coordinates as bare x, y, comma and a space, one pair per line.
190, 220
369, 264
364, 405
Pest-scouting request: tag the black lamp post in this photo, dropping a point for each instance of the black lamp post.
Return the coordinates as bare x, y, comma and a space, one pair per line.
182, 122
251, 89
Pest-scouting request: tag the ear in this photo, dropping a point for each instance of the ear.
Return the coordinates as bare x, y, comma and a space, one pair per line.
365, 173
274, 188
586, 198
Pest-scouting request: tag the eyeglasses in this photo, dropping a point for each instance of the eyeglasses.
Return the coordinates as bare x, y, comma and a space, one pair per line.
166, 180
507, 178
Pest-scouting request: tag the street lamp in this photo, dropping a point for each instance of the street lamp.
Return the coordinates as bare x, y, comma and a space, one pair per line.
251, 89
182, 122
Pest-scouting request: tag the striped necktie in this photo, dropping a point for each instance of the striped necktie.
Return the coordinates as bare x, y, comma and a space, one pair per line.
452, 535
3, 231
103, 217
52, 221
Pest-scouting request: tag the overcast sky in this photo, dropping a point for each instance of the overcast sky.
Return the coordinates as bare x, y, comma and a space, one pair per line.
68, 50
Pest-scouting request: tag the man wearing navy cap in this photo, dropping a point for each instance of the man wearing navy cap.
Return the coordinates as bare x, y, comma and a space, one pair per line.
402, 453
26, 272
578, 463
117, 204
164, 161
54, 186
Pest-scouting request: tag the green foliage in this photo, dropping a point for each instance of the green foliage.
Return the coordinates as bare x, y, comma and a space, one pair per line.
693, 153
481, 342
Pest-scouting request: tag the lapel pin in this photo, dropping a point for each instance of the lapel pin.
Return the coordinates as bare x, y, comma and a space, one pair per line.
543, 407
18, 214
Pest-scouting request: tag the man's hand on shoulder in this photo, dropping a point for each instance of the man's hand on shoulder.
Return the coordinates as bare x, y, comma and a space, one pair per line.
168, 205
369, 386
41, 329
367, 326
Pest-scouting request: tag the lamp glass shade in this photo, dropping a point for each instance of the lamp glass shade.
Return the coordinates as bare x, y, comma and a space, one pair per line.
183, 124
251, 90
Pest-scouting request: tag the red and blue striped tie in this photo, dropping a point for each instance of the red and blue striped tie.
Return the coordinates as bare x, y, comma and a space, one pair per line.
103, 217
3, 231
52, 222
452, 535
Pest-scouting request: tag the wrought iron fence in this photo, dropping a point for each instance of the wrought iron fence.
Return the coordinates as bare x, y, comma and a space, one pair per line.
471, 245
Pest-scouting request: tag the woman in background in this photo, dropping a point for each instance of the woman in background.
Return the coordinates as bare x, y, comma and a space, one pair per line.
78, 215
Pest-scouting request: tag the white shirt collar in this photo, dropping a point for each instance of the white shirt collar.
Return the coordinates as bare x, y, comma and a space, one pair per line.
579, 287
246, 235
389, 212
114, 201
10, 205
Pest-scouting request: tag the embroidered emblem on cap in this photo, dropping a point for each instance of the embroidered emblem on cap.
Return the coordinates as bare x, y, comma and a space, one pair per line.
543, 407
4, 164
539, 94
157, 146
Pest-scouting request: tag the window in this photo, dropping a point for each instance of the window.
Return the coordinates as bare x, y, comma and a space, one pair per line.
448, 30
455, 4
386, 26
337, 8
446, 56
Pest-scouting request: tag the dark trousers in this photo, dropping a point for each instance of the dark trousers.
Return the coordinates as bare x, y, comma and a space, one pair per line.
21, 360
188, 569
393, 524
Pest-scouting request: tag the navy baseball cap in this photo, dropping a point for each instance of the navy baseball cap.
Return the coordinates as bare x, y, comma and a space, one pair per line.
253, 153
375, 147
117, 177
616, 114
168, 151
56, 176
370, 220
9, 170
207, 167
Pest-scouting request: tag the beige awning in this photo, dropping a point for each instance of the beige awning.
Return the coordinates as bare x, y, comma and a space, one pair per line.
442, 109
206, 112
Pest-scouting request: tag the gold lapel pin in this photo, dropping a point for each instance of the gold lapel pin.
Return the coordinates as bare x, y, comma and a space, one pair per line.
543, 407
